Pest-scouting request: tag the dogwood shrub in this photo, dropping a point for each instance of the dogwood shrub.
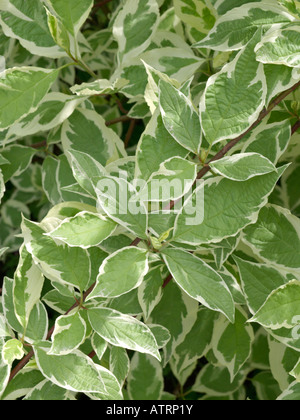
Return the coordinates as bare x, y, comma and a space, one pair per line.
150, 203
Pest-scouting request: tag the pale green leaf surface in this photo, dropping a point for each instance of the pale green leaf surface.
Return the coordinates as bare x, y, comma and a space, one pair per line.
117, 198
54, 109
216, 381
69, 333
200, 281
275, 238
179, 117
258, 281
76, 372
292, 393
48, 391
233, 30
145, 380
229, 214
150, 291
196, 344
27, 288
242, 166
72, 13
4, 369
156, 146
12, 350
232, 343
22, 383
27, 22
21, 91
119, 363
121, 272
281, 46
84, 125
123, 331
134, 27
174, 179
234, 97
57, 261
84, 230
198, 14
18, 159
282, 307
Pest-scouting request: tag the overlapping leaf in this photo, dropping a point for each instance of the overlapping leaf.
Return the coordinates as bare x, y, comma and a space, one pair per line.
234, 97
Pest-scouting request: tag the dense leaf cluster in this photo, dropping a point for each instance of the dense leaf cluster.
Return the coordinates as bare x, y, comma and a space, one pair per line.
115, 286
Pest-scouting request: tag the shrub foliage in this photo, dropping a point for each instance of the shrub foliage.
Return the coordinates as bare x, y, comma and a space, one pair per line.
115, 286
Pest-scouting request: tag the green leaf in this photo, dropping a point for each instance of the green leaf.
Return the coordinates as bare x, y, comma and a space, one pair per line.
216, 381
280, 46
177, 312
292, 393
69, 333
150, 291
4, 328
156, 146
234, 97
58, 32
53, 110
86, 170
179, 63
281, 308
12, 350
76, 372
4, 369
18, 159
99, 345
232, 343
179, 117
21, 91
266, 386
27, 22
282, 360
292, 6
85, 230
197, 14
195, 345
118, 199
132, 262
145, 379
269, 139
228, 214
47, 391
233, 30
86, 124
57, 261
174, 179
27, 288
200, 281
123, 331
119, 363
73, 13
99, 87
296, 371
38, 324
258, 281
26, 379
275, 238
161, 334
242, 166
2, 190
134, 27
